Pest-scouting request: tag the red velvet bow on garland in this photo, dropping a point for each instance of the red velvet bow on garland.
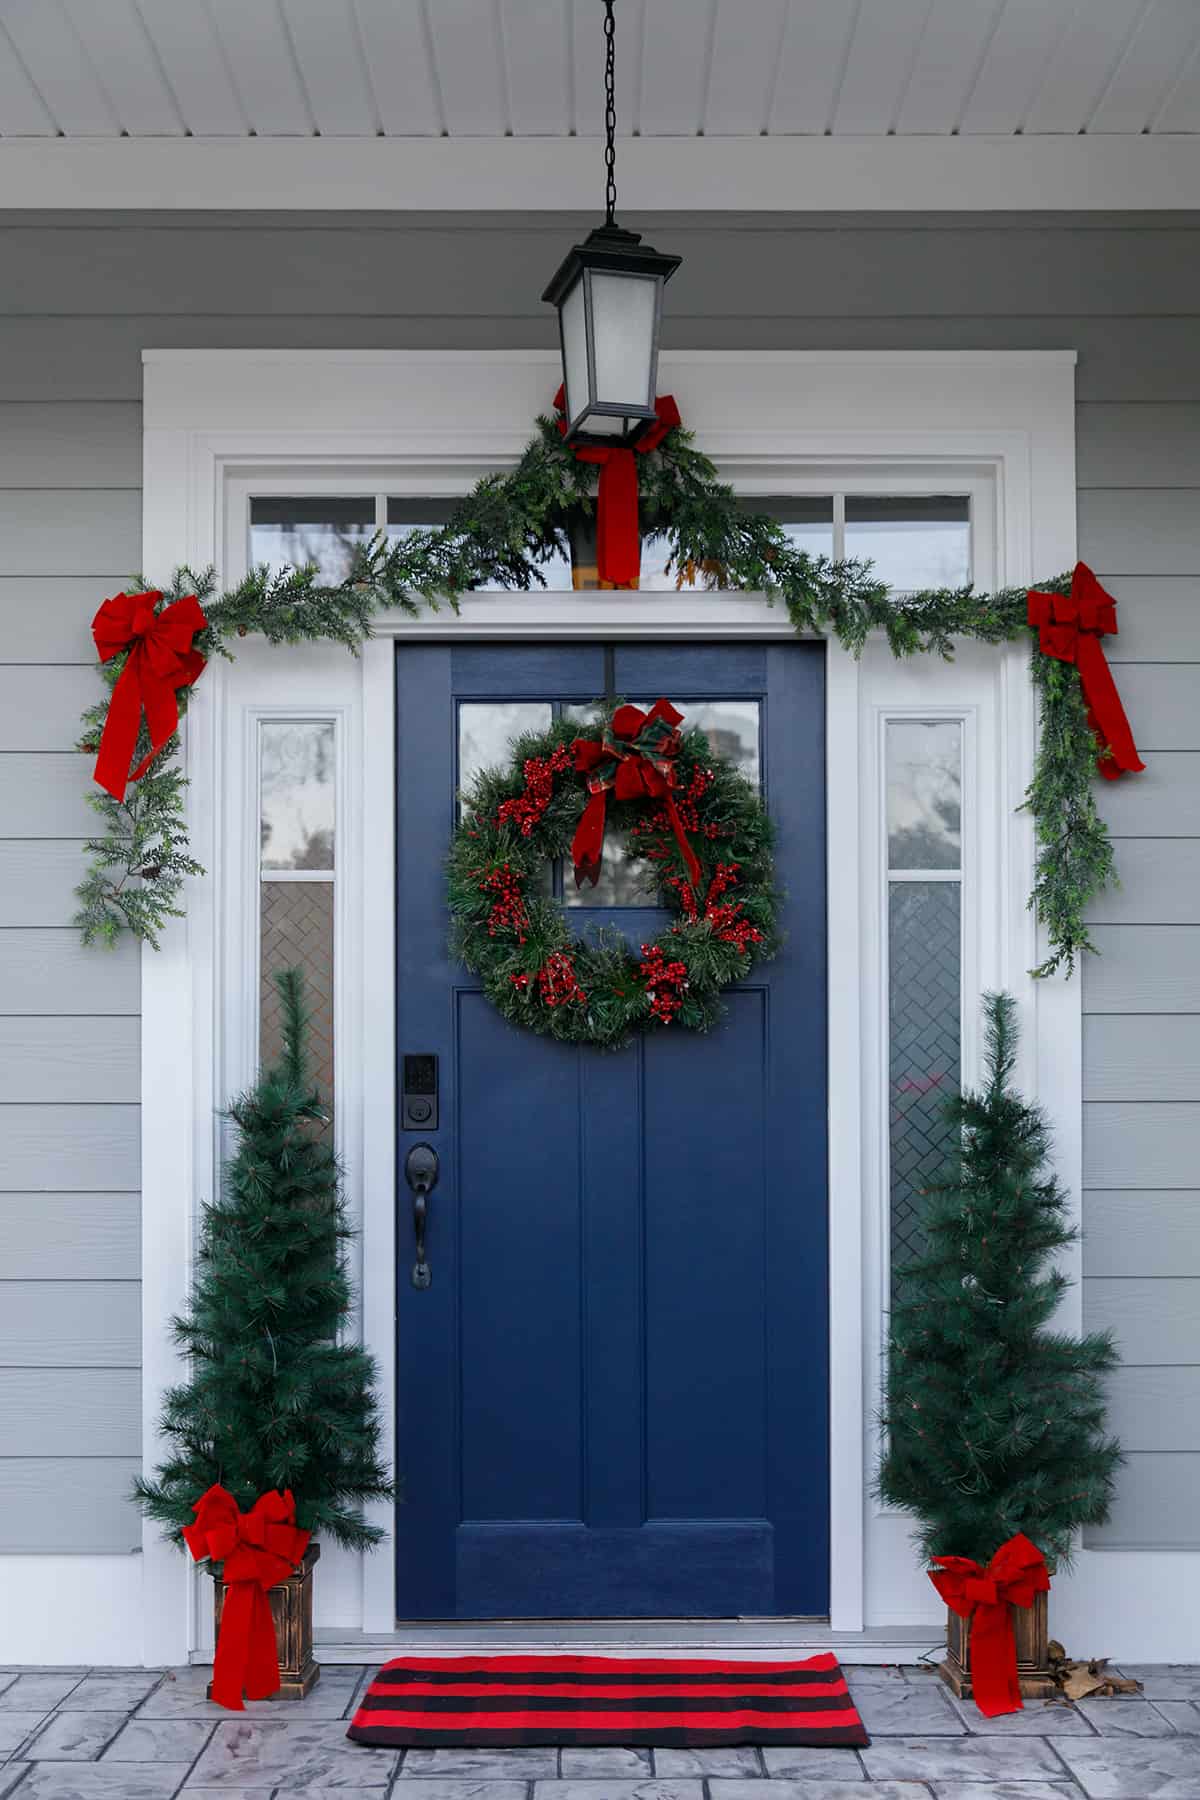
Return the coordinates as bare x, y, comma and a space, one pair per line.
634, 760
1070, 627
618, 541
258, 1549
1014, 1576
161, 660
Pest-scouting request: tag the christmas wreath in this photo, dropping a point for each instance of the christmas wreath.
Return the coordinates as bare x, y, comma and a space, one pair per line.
692, 828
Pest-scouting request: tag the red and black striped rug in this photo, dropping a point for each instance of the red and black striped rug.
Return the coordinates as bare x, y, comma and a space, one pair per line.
486, 1700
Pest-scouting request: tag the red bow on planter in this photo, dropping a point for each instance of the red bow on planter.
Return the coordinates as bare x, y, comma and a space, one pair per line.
1070, 627
161, 660
634, 760
618, 542
1015, 1574
259, 1549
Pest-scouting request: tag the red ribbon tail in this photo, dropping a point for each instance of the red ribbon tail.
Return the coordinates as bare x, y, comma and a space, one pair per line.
262, 1660
618, 546
685, 849
994, 1679
1104, 702
233, 1645
587, 846
119, 736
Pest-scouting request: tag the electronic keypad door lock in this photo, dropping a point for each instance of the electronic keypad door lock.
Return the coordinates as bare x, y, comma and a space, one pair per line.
421, 1173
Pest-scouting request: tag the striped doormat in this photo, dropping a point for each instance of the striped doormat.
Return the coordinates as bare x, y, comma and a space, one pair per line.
486, 1700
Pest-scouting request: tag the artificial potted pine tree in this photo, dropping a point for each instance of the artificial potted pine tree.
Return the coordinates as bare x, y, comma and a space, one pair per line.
994, 1422
275, 1435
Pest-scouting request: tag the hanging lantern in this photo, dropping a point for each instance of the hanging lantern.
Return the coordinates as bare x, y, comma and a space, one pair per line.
608, 291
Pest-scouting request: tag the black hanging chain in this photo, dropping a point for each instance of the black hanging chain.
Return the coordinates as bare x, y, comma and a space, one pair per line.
610, 117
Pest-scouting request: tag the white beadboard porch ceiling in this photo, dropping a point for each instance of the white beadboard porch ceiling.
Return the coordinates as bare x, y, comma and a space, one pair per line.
532, 68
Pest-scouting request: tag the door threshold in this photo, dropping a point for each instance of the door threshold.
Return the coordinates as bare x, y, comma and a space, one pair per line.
739, 1638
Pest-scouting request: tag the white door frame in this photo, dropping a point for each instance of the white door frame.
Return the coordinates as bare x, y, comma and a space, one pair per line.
432, 421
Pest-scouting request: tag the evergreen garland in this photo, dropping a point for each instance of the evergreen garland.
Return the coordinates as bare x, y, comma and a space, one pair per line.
274, 1400
505, 530
508, 929
994, 1423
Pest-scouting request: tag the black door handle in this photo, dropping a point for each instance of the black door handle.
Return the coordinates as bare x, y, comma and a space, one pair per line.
421, 1173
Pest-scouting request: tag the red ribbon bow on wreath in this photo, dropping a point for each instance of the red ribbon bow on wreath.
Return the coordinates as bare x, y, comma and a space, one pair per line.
618, 542
1014, 1576
635, 760
1070, 627
161, 660
259, 1549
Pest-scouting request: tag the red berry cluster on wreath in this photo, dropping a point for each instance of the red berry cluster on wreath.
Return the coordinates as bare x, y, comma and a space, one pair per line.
508, 906
666, 982
525, 809
557, 981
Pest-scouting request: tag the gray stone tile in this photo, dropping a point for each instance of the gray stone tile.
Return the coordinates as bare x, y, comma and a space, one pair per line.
10, 1774
812, 1762
450, 1787
109, 1693
1182, 1715
908, 1712
873, 1674
1037, 1718
1116, 1769
319, 1793
716, 1759
7, 1677
223, 1793
304, 1754
588, 1760
160, 1740
821, 1790
618, 1790
1120, 1717
183, 1697
521, 1764
1160, 1681
37, 1692
75, 1737
962, 1759
15, 1727
102, 1781
1006, 1790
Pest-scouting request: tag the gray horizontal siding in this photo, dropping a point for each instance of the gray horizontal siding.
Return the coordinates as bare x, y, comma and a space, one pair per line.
70, 1237
72, 1324
54, 1503
45, 794
47, 618
69, 1412
1155, 969
70, 1059
49, 972
1155, 1409
1133, 1231
83, 295
1155, 1504
69, 1146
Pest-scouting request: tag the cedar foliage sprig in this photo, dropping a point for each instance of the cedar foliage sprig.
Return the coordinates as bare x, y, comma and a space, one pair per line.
994, 1423
505, 530
273, 1399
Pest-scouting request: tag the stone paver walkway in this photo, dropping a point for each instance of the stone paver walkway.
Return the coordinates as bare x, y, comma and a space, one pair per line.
87, 1733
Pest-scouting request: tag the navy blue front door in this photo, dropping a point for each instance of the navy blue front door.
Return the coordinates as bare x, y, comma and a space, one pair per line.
613, 1395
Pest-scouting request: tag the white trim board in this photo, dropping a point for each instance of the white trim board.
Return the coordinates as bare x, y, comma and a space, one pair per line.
1015, 173
794, 416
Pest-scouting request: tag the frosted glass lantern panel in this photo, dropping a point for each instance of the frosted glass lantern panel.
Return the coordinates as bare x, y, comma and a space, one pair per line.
287, 532
924, 793
623, 333
914, 540
574, 338
296, 793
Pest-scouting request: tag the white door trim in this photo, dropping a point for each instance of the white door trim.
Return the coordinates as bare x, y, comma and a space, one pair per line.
212, 416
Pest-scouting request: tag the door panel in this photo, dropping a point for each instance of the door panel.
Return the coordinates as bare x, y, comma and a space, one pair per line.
613, 1395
